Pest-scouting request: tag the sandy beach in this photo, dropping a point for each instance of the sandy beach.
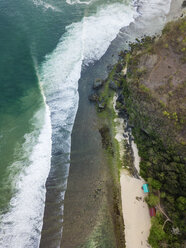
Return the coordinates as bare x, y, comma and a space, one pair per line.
135, 211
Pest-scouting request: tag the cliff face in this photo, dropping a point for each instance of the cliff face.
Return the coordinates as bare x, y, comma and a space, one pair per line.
158, 77
155, 99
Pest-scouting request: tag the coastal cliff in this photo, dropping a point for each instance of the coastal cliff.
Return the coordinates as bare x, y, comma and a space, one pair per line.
149, 81
155, 97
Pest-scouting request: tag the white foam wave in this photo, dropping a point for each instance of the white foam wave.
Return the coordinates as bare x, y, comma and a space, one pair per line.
21, 226
153, 13
82, 43
151, 8
72, 2
46, 6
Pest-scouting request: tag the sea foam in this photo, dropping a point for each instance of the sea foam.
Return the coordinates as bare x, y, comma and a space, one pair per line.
153, 14
21, 226
82, 44
45, 5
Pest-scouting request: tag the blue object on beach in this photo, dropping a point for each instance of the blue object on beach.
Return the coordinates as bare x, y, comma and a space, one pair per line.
145, 188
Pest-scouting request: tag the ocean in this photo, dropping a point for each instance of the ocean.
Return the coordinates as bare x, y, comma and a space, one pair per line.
45, 46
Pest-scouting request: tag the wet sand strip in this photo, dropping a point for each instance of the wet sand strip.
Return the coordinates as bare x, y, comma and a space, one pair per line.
91, 197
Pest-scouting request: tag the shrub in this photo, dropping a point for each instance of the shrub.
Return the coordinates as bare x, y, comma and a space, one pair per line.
152, 200
181, 203
154, 183
157, 233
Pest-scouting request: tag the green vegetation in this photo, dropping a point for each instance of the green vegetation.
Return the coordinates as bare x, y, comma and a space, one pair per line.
157, 233
152, 200
157, 116
157, 133
144, 89
158, 120
127, 157
107, 117
111, 146
155, 184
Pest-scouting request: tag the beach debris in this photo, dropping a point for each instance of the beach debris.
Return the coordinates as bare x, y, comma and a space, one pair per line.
145, 188
152, 211
109, 68
138, 198
97, 84
102, 106
119, 68
93, 97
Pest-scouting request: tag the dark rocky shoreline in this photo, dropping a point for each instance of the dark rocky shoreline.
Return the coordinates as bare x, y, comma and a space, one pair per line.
92, 201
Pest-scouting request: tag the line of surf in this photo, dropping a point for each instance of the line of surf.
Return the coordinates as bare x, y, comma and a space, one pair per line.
45, 5
21, 225
72, 2
83, 43
154, 13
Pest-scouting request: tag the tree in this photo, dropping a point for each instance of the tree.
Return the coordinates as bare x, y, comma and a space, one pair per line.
157, 233
154, 183
181, 203
152, 200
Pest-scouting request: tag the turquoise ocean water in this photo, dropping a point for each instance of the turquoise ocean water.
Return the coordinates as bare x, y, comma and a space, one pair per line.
43, 45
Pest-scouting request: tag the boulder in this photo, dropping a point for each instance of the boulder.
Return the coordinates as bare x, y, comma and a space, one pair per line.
101, 106
109, 68
113, 85
122, 54
97, 84
93, 97
119, 68
125, 135
120, 84
120, 98
116, 77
